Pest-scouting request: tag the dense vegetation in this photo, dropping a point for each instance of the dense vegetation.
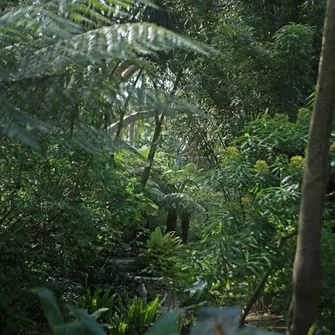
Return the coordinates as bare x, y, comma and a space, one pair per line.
163, 140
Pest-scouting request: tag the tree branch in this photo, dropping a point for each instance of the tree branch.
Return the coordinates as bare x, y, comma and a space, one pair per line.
130, 119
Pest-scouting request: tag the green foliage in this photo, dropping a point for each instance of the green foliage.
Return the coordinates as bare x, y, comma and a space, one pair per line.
82, 323
327, 308
257, 204
50, 308
166, 324
65, 215
269, 137
293, 50
231, 159
210, 320
266, 63
161, 253
56, 58
228, 256
137, 319
100, 299
158, 241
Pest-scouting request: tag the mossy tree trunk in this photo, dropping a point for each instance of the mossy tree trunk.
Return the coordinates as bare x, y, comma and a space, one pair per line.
185, 226
171, 221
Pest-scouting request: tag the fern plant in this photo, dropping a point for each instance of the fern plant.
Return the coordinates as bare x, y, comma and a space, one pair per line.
160, 253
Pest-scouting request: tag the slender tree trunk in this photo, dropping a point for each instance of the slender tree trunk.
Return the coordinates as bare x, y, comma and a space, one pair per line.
179, 156
155, 139
171, 221
153, 147
185, 226
307, 263
74, 114
131, 131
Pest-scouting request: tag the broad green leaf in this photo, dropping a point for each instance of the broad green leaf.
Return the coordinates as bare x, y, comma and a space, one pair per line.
50, 307
92, 326
312, 330
86, 321
98, 313
166, 324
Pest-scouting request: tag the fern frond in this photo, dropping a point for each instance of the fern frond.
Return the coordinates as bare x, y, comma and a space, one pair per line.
39, 18
126, 41
181, 202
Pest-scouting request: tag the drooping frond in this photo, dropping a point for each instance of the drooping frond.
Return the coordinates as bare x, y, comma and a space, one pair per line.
126, 41
46, 15
181, 202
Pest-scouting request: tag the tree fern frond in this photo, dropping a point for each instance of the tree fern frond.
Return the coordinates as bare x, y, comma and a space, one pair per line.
51, 69
181, 202
171, 105
84, 13
155, 192
81, 11
16, 115
122, 42
39, 18
168, 104
93, 140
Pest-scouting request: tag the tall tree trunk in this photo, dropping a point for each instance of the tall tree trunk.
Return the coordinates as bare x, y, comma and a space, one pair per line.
171, 221
155, 139
307, 263
185, 226
153, 147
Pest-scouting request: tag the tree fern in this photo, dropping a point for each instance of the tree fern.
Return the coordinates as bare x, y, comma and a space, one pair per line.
58, 59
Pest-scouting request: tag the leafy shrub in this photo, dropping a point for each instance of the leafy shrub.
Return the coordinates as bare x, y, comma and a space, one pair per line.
100, 299
66, 216
161, 253
136, 319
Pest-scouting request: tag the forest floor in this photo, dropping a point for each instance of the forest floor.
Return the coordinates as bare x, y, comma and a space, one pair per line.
267, 321
155, 286
255, 319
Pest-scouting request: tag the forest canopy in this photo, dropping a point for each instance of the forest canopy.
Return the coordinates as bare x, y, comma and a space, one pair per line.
159, 156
